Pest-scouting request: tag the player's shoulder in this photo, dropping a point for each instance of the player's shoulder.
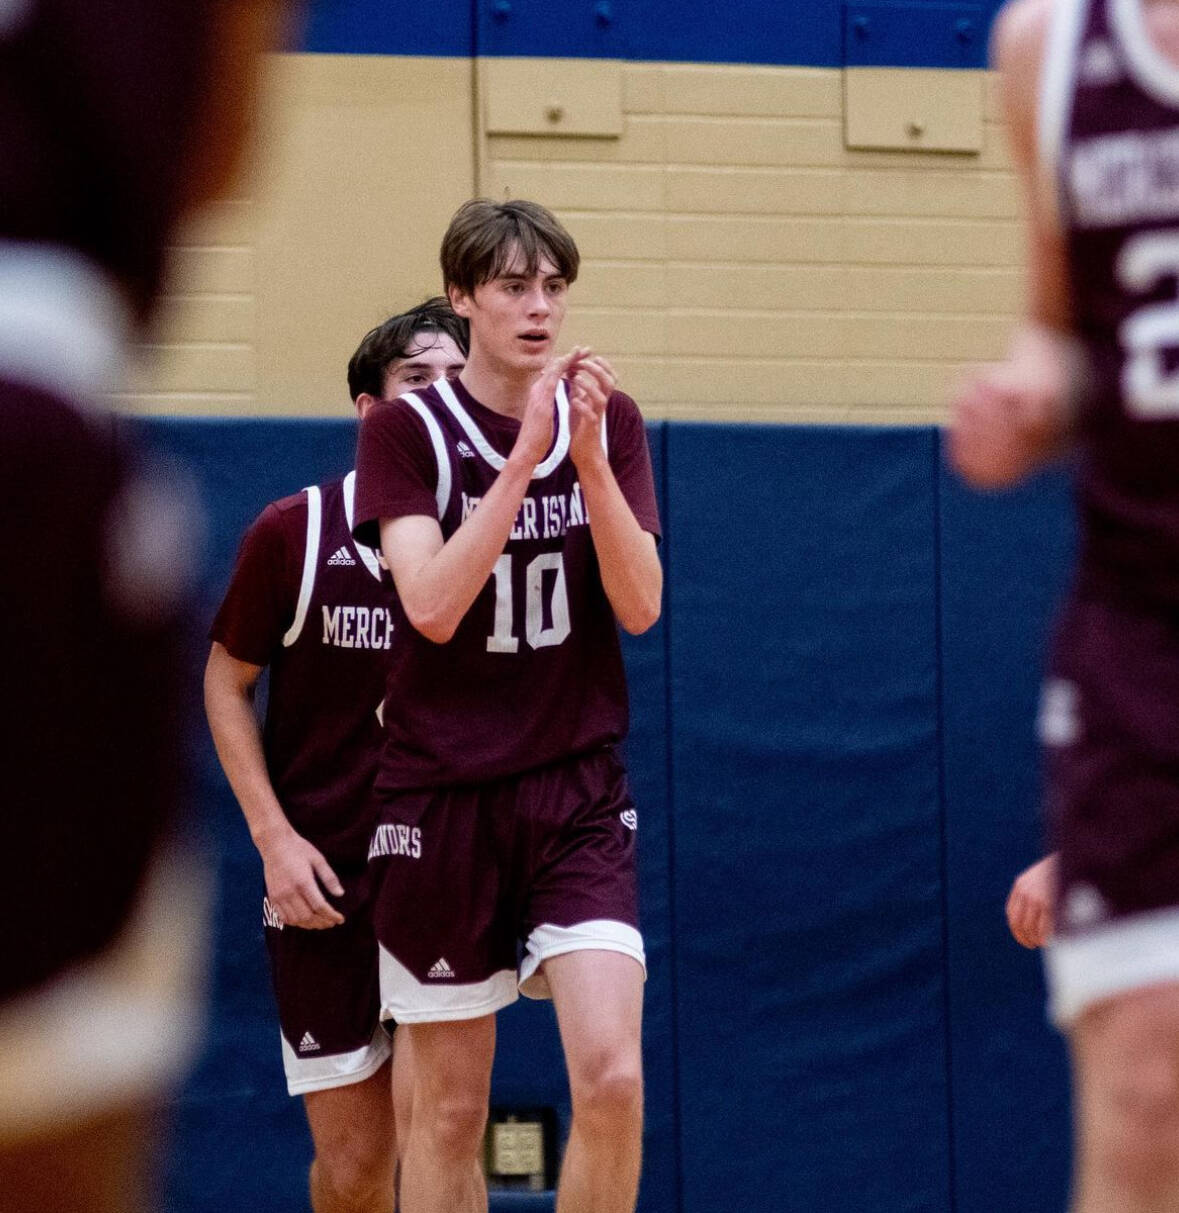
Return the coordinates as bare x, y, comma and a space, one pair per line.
619, 404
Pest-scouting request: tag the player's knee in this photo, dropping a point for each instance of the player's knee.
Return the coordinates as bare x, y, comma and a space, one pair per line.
1135, 1135
609, 1089
455, 1124
357, 1171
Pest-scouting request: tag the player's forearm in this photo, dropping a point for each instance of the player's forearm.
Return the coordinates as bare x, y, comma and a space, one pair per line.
238, 742
440, 591
627, 557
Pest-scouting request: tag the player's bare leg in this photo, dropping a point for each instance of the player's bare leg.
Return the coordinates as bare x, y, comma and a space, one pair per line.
1126, 1062
440, 1170
355, 1146
599, 1001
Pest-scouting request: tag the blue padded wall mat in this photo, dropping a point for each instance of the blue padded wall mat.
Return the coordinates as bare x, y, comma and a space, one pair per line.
1004, 565
806, 818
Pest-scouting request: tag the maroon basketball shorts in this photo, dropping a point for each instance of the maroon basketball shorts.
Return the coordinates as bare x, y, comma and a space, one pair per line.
477, 886
325, 983
1110, 726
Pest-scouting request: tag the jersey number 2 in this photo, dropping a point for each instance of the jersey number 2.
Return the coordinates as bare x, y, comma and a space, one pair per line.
1149, 389
538, 634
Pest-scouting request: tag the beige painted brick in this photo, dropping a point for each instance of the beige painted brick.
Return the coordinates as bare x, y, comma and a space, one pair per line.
715, 89
193, 404
746, 191
621, 284
584, 187
714, 238
637, 331
207, 318
829, 287
642, 88
193, 368
755, 141
992, 98
795, 383
932, 242
226, 224
835, 335
643, 141
918, 192
214, 271
619, 237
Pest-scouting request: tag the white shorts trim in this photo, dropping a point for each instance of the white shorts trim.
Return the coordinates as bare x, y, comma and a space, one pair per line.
597, 935
1119, 956
117, 1029
307, 1074
407, 1000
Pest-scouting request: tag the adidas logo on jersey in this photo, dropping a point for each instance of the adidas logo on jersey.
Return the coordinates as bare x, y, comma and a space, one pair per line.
341, 557
441, 969
308, 1044
464, 450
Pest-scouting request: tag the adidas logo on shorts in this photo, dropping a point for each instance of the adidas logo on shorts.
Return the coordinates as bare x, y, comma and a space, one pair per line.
441, 969
308, 1044
341, 557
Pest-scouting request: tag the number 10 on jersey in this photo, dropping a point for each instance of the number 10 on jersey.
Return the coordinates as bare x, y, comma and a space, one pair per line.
539, 634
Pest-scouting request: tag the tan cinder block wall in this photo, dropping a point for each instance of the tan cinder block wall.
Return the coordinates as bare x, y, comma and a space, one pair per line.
361, 162
739, 262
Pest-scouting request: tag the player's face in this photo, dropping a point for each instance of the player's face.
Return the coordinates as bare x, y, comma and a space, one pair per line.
516, 318
432, 356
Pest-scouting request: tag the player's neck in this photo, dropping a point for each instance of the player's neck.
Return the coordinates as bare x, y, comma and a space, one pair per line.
501, 388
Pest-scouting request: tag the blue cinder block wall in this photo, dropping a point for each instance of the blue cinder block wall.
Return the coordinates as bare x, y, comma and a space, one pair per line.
833, 759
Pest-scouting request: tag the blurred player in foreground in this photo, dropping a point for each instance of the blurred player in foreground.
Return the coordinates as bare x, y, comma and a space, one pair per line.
516, 509
315, 606
115, 118
1091, 90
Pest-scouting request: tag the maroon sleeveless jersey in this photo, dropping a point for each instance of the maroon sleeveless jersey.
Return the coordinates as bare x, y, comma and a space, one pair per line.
318, 609
1110, 125
534, 672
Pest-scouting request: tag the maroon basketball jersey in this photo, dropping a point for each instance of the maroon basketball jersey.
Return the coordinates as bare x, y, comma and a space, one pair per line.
1110, 125
317, 608
534, 672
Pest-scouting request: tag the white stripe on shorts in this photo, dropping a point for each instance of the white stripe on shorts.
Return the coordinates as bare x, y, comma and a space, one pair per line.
408, 1000
315, 1073
1114, 958
598, 935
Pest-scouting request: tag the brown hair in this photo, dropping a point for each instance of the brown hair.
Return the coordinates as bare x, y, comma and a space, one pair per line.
483, 237
394, 341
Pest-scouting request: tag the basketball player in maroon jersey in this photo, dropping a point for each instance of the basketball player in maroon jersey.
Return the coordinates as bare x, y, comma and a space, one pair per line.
516, 509
115, 118
1091, 92
315, 606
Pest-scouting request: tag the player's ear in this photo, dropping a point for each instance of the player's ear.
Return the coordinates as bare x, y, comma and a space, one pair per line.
364, 402
460, 301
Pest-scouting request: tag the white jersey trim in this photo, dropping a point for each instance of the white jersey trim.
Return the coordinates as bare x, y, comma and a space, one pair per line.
488, 452
1150, 68
120, 1028
1057, 84
1114, 958
441, 457
366, 554
306, 1074
310, 560
63, 325
408, 1000
596, 935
